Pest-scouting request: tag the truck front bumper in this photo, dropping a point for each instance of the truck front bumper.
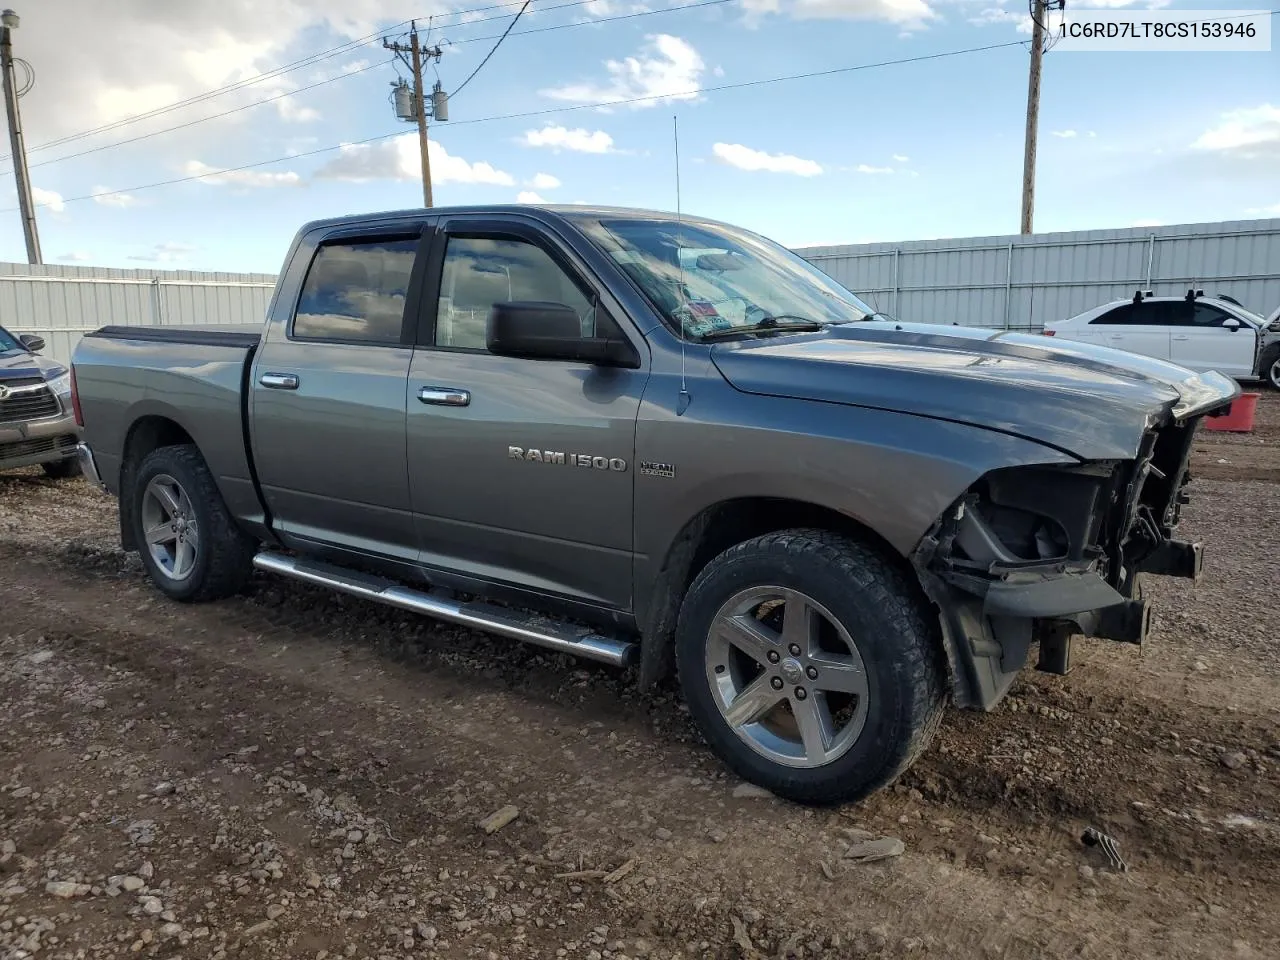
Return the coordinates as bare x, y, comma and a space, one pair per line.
33, 442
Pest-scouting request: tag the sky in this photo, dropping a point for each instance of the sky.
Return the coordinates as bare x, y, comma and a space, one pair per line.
141, 110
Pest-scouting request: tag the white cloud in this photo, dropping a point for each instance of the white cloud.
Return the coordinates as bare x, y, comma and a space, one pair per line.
867, 168
1019, 19
398, 159
169, 252
76, 256
745, 158
666, 69
112, 198
544, 181
241, 178
163, 53
528, 196
1247, 132
909, 13
899, 158
1271, 211
577, 139
1065, 134
48, 198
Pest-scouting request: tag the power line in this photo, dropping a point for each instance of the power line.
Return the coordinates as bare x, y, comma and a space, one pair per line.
216, 116
588, 23
697, 91
270, 74
492, 50
357, 72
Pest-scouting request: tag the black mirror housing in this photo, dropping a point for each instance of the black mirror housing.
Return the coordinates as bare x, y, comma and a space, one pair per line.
32, 342
536, 330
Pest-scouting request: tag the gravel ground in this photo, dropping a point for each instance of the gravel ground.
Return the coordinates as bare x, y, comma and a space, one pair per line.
297, 774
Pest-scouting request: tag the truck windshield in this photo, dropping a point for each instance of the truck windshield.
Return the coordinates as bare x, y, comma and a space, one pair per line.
9, 343
711, 280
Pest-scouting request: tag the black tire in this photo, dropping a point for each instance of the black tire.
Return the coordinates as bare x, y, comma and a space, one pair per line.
887, 619
223, 553
1270, 367
61, 469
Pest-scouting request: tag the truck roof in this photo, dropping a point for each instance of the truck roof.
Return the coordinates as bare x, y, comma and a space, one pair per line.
548, 212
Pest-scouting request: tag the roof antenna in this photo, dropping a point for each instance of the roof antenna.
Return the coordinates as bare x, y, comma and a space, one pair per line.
683, 405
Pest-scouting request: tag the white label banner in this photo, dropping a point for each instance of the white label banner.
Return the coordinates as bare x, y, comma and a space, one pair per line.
1129, 30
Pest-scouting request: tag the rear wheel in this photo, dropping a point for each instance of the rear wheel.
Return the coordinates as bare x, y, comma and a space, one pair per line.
809, 665
189, 543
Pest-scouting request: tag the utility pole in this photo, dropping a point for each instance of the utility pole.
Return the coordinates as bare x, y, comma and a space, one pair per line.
26, 206
1033, 116
439, 108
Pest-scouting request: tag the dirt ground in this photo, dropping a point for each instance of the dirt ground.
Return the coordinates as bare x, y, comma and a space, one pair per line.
296, 774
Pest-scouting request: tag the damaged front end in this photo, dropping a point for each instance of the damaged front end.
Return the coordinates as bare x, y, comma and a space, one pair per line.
1038, 554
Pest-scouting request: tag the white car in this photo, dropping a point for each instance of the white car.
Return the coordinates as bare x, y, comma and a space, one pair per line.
1197, 332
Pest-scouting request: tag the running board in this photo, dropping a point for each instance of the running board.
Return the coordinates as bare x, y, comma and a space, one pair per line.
530, 628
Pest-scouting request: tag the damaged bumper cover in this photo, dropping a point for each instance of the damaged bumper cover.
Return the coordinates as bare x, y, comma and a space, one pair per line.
1096, 528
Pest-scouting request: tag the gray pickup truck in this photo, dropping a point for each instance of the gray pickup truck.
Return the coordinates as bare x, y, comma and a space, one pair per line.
632, 436
37, 424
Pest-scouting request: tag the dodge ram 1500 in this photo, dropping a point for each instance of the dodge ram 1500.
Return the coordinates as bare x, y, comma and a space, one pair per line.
633, 436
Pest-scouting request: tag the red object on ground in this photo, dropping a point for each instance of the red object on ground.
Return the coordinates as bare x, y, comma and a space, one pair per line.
1239, 417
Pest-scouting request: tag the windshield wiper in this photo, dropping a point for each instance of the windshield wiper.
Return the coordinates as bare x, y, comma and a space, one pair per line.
771, 324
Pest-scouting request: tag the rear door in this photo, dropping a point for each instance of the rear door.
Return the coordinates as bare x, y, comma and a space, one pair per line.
520, 471
328, 394
1206, 338
1141, 328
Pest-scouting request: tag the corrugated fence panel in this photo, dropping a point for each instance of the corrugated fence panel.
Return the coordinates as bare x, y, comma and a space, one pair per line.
1023, 282
1010, 281
62, 303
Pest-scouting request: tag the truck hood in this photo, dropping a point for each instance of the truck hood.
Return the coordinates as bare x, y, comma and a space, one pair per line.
27, 366
1089, 401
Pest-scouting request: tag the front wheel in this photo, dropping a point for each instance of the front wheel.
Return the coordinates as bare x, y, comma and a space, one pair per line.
809, 664
190, 544
1271, 368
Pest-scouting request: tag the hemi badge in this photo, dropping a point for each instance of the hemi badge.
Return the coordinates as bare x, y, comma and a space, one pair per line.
650, 469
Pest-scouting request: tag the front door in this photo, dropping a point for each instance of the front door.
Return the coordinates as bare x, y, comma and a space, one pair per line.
1208, 338
328, 399
520, 471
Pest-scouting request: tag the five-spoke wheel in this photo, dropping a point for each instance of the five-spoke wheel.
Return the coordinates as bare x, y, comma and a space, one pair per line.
811, 664
787, 676
172, 533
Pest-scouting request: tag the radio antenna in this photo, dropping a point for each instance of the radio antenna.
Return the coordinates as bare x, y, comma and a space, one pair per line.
684, 385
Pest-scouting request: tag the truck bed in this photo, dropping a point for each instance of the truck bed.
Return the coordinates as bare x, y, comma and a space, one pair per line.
177, 380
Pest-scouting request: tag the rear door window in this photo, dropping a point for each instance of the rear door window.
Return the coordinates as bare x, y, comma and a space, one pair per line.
355, 292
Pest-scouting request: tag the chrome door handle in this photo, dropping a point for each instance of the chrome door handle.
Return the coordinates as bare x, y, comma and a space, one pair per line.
1182, 338
445, 396
279, 381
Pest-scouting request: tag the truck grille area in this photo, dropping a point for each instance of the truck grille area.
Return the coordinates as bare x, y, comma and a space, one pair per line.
33, 448
27, 401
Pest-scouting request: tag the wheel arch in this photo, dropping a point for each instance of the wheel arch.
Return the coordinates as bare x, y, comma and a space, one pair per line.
715, 529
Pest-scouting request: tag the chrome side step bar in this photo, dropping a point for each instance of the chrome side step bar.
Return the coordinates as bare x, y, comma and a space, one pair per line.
530, 628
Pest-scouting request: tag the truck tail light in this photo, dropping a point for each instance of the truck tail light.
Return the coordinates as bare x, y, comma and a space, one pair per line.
75, 399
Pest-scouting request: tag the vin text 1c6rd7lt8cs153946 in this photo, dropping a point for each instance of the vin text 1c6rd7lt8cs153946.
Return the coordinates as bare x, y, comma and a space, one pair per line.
640, 438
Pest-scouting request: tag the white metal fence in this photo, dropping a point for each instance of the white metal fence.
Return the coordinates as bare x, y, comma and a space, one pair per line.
1024, 282
1010, 281
62, 303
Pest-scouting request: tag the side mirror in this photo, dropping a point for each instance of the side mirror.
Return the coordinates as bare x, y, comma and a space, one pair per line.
1232, 324
31, 342
551, 331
